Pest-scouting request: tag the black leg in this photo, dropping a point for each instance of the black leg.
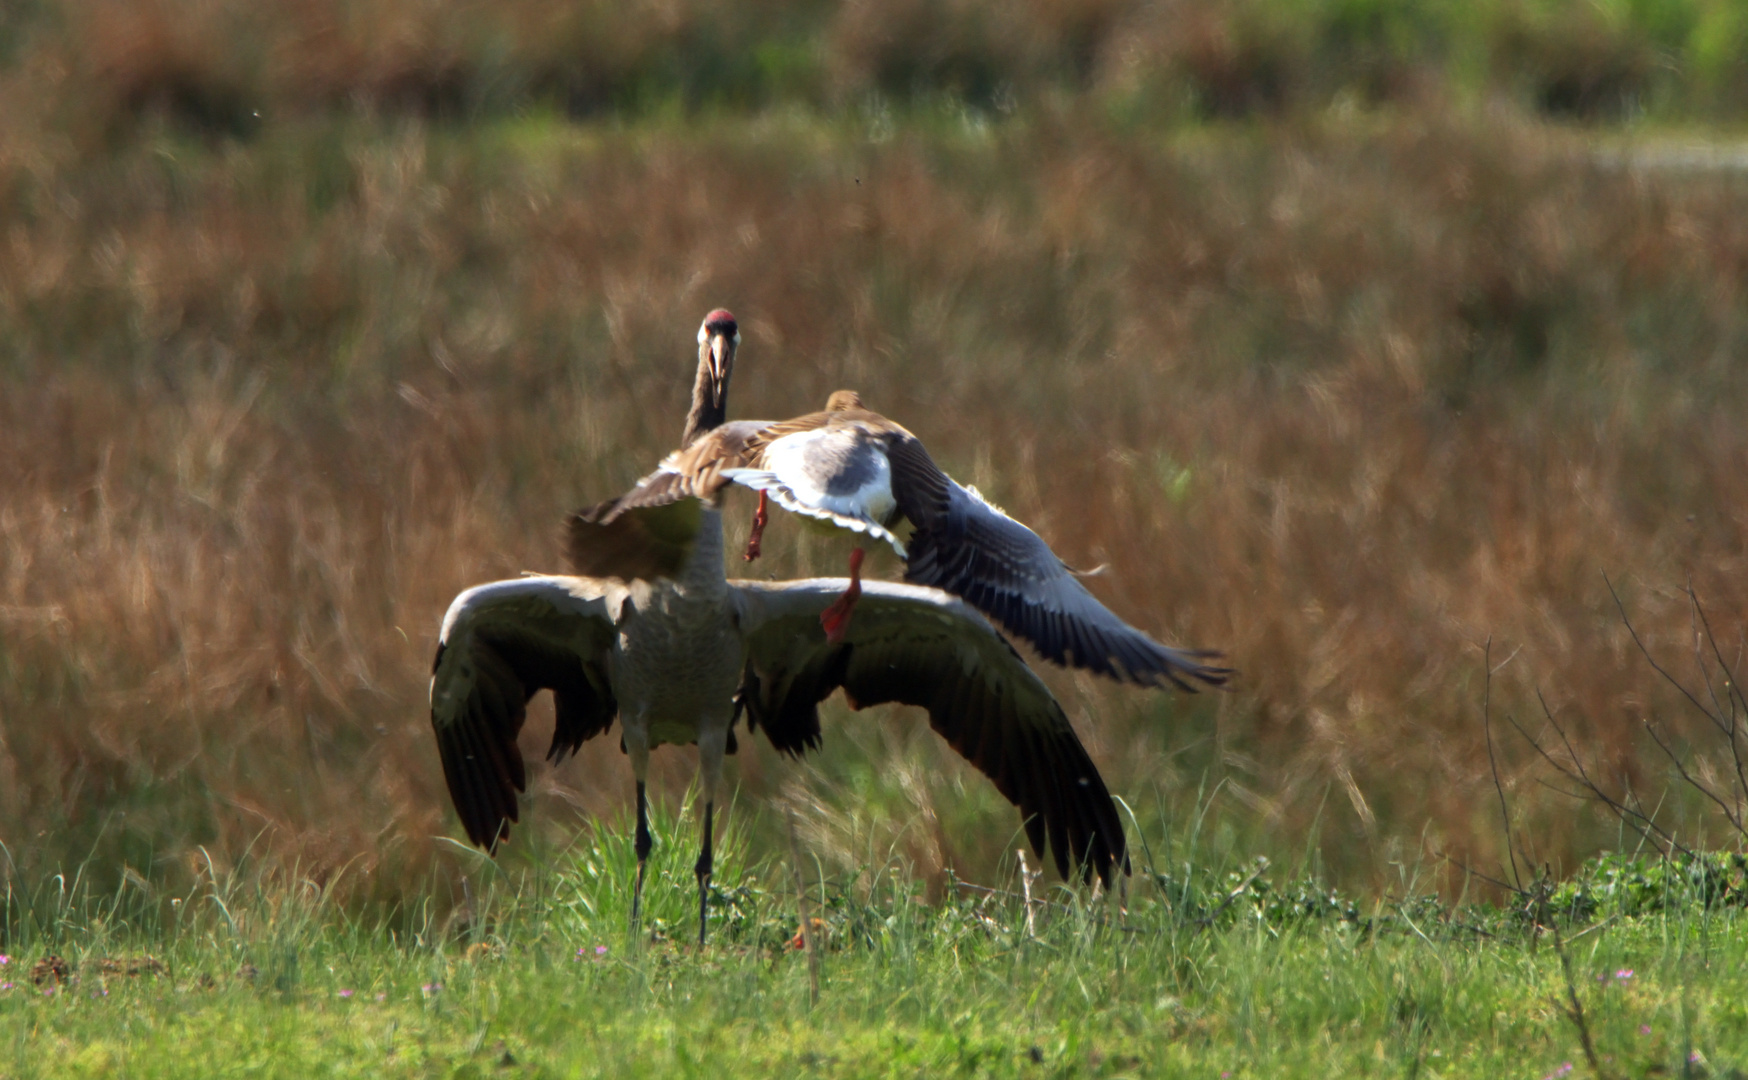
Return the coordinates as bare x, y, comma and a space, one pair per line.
706, 860
643, 846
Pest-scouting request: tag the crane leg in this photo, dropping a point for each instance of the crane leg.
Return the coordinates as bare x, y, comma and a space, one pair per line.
643, 846
760, 516
636, 738
712, 745
706, 860
836, 619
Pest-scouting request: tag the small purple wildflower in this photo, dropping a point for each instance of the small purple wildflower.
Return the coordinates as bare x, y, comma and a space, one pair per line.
5, 986
600, 950
1624, 974
430, 988
4, 959
345, 993
1693, 1057
1564, 1069
1644, 1029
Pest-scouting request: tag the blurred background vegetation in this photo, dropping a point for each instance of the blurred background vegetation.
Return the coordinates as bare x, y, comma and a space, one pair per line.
1349, 333
227, 67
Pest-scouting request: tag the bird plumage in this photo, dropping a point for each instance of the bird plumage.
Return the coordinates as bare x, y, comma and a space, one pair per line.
867, 474
655, 635
505, 641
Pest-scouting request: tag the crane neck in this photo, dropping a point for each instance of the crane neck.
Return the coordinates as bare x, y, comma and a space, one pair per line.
708, 411
703, 572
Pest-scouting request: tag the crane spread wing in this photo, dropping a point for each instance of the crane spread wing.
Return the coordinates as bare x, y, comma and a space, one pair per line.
922, 647
501, 643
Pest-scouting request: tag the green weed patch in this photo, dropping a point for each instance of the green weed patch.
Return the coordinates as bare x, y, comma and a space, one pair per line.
1233, 972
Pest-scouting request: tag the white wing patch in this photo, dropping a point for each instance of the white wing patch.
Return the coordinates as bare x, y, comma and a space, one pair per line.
771, 484
804, 468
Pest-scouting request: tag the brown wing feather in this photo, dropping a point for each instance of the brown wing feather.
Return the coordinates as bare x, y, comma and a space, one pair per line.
613, 540
648, 531
756, 442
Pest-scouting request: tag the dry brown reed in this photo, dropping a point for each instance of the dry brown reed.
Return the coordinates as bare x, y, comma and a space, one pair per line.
1343, 405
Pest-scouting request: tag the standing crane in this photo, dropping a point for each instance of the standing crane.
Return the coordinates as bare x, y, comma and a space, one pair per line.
672, 655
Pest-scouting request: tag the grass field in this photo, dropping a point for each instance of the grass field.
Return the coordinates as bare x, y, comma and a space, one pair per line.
1379, 344
1246, 973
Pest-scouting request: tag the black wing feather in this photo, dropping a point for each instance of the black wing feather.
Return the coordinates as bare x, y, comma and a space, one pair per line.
502, 651
939, 656
968, 548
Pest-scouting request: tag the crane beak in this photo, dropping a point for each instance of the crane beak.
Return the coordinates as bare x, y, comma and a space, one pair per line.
720, 362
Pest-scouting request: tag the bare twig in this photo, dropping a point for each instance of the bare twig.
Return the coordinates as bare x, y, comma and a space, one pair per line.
1737, 704
1646, 653
1492, 760
1574, 1009
1692, 781
1696, 619
1472, 872
1725, 716
1637, 820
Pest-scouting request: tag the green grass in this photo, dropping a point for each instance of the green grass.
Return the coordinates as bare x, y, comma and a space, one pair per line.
534, 973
